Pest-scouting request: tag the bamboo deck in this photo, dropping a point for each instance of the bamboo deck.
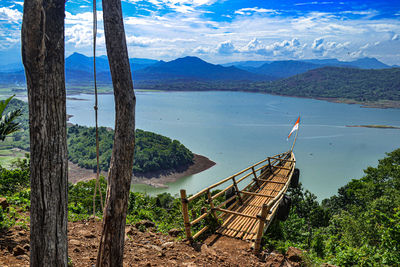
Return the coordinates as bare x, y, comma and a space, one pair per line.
254, 206
246, 227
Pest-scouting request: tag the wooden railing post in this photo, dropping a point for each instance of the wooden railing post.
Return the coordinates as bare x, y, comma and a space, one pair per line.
185, 214
211, 204
255, 177
237, 190
260, 230
270, 166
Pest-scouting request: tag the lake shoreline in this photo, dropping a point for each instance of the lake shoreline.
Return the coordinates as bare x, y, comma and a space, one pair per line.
380, 104
374, 126
157, 179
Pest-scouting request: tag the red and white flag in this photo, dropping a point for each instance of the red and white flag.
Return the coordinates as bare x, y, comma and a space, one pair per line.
295, 127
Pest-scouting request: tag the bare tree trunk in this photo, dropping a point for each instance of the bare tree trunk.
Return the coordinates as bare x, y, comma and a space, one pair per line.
43, 58
111, 250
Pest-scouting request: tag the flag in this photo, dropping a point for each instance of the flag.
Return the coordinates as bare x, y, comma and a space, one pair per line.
295, 127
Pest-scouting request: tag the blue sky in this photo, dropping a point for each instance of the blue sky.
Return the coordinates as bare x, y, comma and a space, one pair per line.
222, 31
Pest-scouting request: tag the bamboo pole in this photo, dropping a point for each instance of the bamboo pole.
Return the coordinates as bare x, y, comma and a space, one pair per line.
260, 231
237, 190
205, 228
201, 217
271, 181
281, 159
185, 214
255, 194
236, 213
211, 204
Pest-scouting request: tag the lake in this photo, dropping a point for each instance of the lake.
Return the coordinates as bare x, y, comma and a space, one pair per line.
237, 129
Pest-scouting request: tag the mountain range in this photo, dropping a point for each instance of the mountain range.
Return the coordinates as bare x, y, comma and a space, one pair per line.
79, 70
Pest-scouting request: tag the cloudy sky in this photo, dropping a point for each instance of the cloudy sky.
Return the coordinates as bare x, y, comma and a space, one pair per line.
221, 31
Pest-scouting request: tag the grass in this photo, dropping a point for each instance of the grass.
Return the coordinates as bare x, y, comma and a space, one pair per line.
9, 155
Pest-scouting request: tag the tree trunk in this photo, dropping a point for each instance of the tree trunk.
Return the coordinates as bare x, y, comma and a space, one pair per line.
43, 58
111, 248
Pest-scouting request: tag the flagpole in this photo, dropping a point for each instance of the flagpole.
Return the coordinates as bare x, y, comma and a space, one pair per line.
295, 138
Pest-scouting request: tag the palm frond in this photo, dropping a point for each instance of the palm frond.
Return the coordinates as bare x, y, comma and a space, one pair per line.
4, 103
7, 124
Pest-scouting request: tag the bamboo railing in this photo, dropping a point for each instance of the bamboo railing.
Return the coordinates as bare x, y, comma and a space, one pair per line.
259, 173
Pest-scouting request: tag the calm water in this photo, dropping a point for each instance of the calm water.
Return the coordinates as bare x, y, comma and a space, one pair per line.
236, 129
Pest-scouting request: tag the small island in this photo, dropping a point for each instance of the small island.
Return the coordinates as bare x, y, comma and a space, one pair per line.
374, 126
158, 159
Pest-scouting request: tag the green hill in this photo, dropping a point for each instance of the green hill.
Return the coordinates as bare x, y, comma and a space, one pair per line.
334, 82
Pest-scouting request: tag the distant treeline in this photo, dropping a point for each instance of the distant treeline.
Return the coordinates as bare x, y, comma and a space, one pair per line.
153, 152
327, 82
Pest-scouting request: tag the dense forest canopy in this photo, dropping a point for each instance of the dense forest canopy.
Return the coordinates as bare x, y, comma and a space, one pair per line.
153, 152
334, 82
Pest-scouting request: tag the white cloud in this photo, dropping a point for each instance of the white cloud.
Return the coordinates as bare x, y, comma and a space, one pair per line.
313, 3
226, 48
322, 48
10, 15
285, 48
249, 11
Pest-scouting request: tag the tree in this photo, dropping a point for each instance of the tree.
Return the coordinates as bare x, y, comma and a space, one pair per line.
111, 248
43, 58
7, 124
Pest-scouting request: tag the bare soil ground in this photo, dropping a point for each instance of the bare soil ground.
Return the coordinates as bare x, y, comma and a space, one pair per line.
147, 248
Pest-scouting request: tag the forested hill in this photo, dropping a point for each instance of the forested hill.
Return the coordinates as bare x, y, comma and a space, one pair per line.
335, 82
153, 152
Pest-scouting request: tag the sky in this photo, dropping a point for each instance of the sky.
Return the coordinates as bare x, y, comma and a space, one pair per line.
221, 31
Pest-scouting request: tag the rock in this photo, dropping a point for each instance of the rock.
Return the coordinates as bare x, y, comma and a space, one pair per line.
90, 235
145, 223
75, 242
274, 260
208, 250
189, 264
294, 254
18, 251
131, 231
22, 233
168, 245
174, 232
3, 203
27, 247
159, 249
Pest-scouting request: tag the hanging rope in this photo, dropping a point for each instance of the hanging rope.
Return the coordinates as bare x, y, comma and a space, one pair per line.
97, 186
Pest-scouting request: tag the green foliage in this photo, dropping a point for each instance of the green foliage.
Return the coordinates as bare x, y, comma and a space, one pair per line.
335, 82
153, 152
358, 226
80, 198
13, 181
8, 123
7, 218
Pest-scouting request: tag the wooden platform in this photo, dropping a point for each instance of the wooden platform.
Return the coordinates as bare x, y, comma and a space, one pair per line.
254, 204
245, 227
